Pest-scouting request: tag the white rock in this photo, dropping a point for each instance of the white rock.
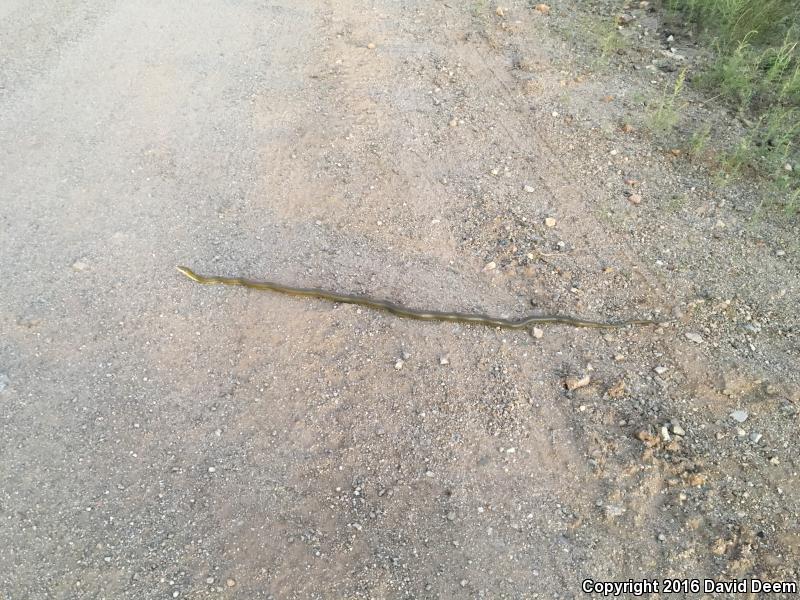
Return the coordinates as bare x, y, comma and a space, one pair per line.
740, 416
660, 370
538, 333
694, 337
529, 189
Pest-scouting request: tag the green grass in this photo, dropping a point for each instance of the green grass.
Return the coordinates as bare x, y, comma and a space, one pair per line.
755, 69
668, 112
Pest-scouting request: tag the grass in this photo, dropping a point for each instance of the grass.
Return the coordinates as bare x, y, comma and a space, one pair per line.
667, 114
755, 69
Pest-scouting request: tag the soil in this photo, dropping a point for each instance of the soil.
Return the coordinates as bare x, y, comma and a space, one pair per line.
162, 439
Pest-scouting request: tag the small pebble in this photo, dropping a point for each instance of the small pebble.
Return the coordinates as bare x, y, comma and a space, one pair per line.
230, 582
451, 516
694, 337
775, 460
550, 222
490, 266
444, 359
755, 437
371, 46
573, 382
635, 199
660, 370
399, 364
212, 469
678, 430
665, 434
740, 416
529, 189
538, 333
542, 8
79, 265
209, 580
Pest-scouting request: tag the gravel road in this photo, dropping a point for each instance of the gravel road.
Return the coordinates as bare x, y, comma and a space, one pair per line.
162, 439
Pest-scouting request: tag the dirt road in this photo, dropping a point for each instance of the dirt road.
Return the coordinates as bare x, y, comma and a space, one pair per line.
163, 439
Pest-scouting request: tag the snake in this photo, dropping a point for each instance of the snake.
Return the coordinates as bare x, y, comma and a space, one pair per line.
412, 313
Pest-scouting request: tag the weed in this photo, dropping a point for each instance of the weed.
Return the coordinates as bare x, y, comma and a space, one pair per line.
755, 69
666, 116
699, 142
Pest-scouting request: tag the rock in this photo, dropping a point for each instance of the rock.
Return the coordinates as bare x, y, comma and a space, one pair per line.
678, 430
542, 8
550, 222
399, 364
209, 580
491, 266
451, 516
665, 433
696, 479
755, 437
775, 460
661, 370
573, 382
231, 582
635, 199
405, 355
4, 381
537, 333
79, 265
371, 46
529, 189
740, 416
444, 359
614, 510
647, 438
694, 337
500, 11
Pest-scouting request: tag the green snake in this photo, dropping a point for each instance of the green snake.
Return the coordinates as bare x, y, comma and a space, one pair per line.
412, 313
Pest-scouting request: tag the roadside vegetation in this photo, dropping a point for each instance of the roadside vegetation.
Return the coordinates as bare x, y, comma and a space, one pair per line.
755, 69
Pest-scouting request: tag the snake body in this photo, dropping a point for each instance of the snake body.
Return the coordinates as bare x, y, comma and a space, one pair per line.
412, 313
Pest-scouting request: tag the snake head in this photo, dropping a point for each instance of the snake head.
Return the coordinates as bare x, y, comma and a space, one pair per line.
188, 272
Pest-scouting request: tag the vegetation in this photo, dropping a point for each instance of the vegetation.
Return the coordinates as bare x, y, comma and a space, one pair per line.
756, 69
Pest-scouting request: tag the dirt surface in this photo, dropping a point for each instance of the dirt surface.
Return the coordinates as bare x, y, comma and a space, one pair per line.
162, 439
